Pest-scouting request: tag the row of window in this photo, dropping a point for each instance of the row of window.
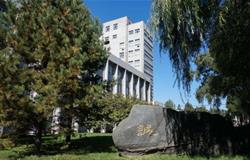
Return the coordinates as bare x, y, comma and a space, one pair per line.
147, 73
150, 47
115, 27
148, 64
114, 37
134, 31
137, 61
146, 34
136, 50
146, 67
136, 40
148, 53
121, 54
148, 58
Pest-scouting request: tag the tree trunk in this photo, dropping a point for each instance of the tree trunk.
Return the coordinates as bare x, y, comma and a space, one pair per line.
68, 138
69, 129
38, 140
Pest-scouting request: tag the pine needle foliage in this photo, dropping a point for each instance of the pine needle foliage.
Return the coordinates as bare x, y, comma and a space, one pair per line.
50, 53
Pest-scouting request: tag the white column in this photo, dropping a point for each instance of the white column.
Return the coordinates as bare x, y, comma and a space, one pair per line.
144, 90
115, 79
138, 88
131, 85
75, 124
149, 92
124, 83
55, 128
105, 72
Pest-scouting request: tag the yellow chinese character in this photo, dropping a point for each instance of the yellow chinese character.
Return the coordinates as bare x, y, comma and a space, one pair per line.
144, 129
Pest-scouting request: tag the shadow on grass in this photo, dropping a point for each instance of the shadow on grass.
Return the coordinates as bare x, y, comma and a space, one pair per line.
95, 143
88, 144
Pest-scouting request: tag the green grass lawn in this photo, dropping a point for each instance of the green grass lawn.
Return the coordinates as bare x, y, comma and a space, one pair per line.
90, 147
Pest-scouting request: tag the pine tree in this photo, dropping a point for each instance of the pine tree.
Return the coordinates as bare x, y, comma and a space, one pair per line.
50, 58
170, 104
188, 107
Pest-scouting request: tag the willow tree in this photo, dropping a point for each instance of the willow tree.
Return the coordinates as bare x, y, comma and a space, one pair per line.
214, 35
50, 54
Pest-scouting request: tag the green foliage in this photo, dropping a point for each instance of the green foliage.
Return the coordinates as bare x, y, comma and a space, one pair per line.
186, 28
170, 104
98, 147
181, 27
226, 73
85, 56
188, 107
28, 82
109, 109
49, 56
6, 144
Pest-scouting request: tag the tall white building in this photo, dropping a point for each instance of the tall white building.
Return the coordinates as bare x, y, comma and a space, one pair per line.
130, 62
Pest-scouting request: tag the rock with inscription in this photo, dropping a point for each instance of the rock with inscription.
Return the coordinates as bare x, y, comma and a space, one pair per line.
150, 129
142, 131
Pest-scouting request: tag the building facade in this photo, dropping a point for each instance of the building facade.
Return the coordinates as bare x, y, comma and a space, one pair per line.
130, 62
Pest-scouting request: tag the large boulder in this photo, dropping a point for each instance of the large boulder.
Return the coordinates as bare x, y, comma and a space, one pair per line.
150, 129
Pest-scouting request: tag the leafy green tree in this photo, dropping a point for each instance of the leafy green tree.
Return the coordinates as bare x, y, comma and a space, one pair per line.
188, 107
114, 108
109, 109
49, 56
170, 104
181, 27
215, 36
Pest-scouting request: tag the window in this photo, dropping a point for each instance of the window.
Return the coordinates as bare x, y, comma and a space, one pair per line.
122, 45
137, 42
137, 50
137, 30
114, 36
137, 61
130, 42
106, 39
130, 51
130, 62
121, 54
115, 26
107, 28
130, 32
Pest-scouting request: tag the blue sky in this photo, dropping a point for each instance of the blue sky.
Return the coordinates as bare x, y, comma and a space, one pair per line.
138, 10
